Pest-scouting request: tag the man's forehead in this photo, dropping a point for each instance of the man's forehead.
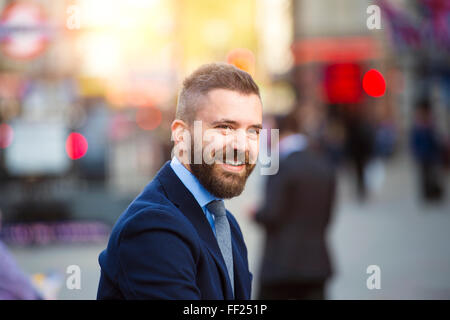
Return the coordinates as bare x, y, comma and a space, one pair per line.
220, 104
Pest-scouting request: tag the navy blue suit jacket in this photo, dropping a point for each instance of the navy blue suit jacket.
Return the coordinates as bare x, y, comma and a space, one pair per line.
162, 247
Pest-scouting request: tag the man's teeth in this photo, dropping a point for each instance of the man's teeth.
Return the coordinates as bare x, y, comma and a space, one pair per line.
235, 163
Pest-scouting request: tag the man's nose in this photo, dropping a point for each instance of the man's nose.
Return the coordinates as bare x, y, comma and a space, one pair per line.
238, 146
236, 154
239, 140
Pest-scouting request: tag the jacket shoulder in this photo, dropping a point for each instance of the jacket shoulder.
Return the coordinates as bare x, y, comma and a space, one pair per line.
151, 211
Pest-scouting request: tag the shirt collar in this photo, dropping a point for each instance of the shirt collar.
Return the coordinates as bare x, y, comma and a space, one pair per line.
191, 182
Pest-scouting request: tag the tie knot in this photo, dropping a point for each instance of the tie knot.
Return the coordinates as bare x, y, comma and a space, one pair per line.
217, 208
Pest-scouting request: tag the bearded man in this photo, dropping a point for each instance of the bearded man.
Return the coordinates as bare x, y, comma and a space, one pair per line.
176, 240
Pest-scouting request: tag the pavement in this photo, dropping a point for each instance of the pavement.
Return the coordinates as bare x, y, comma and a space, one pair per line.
406, 239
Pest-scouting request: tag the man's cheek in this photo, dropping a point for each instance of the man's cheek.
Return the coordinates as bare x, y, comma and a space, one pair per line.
212, 147
253, 151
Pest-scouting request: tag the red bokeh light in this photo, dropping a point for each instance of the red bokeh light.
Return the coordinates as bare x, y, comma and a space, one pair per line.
148, 118
76, 146
342, 83
374, 84
6, 135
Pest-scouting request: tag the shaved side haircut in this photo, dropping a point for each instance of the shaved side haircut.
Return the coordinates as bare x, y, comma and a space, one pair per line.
209, 77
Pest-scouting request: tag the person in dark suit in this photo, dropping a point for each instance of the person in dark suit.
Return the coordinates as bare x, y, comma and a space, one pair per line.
176, 240
295, 215
426, 147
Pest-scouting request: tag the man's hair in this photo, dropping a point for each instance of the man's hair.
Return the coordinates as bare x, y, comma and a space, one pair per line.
209, 77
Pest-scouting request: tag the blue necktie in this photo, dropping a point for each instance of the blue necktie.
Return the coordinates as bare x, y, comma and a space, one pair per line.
223, 234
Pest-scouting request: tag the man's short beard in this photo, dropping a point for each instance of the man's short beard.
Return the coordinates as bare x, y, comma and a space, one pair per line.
220, 184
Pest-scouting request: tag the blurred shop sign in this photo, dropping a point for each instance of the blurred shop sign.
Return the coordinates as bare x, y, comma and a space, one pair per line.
334, 50
22, 30
342, 83
37, 149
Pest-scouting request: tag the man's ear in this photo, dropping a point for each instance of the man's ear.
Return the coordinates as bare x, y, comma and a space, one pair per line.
182, 139
179, 128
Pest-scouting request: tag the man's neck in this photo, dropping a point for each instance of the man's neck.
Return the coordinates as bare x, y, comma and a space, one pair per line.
184, 162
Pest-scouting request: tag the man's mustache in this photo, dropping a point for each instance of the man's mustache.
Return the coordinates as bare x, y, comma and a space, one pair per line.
234, 155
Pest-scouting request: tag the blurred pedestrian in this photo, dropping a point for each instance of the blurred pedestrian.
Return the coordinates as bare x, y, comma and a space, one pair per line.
360, 136
426, 150
297, 209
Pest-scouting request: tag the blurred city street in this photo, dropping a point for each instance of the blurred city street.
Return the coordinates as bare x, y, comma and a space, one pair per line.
394, 230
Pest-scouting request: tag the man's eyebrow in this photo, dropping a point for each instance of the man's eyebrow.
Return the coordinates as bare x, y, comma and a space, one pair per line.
229, 121
224, 121
258, 126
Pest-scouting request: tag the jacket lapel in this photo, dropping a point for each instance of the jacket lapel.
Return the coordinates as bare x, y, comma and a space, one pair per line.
242, 282
179, 195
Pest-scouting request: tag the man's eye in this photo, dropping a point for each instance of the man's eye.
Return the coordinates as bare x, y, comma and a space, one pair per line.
224, 126
253, 131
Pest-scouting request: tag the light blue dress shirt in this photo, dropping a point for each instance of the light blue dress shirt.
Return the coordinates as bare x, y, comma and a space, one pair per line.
199, 192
